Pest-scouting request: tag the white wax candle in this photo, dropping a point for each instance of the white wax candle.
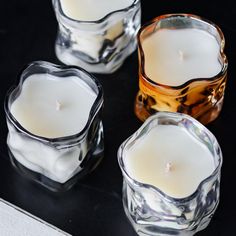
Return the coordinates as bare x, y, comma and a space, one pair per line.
169, 158
53, 107
92, 10
173, 57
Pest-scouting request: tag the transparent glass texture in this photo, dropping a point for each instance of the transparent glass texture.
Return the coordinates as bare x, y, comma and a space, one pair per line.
56, 163
151, 211
98, 46
201, 98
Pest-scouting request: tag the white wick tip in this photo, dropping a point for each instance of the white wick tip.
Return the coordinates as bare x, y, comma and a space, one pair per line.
58, 105
181, 55
168, 167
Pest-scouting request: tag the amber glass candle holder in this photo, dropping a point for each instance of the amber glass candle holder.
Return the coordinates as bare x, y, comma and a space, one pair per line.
201, 98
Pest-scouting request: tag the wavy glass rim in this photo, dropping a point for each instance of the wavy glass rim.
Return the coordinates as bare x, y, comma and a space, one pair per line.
190, 16
100, 20
54, 69
170, 115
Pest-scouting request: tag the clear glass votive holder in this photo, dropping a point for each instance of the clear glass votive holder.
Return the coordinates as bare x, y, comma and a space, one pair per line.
150, 210
99, 46
201, 98
56, 163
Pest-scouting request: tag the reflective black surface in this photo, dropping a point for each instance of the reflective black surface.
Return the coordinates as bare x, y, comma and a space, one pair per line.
94, 206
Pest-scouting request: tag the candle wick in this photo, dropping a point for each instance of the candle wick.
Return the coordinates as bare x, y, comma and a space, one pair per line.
58, 105
181, 55
168, 167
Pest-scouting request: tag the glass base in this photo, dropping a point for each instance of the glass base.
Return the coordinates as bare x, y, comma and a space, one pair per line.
90, 162
152, 231
144, 107
142, 230
145, 228
108, 66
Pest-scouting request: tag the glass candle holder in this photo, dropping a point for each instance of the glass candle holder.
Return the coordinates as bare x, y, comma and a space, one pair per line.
54, 162
200, 97
99, 46
151, 210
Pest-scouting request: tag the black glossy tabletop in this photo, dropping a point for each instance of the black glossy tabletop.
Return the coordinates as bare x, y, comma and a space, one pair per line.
94, 206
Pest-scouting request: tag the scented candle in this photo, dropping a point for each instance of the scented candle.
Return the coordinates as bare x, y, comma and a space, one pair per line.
171, 169
182, 67
171, 159
52, 107
176, 56
96, 35
54, 121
